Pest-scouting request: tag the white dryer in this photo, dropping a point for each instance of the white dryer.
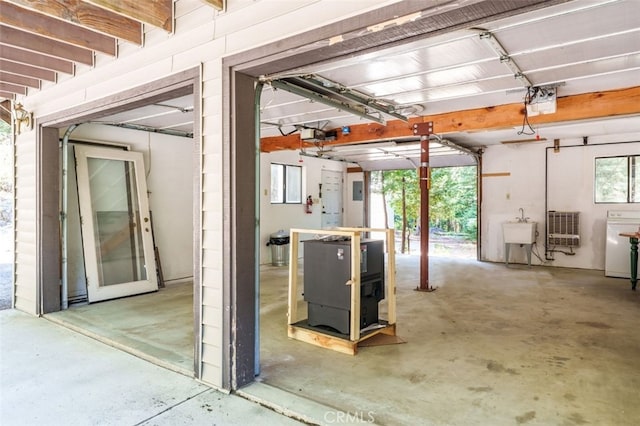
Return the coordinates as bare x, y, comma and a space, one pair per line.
618, 251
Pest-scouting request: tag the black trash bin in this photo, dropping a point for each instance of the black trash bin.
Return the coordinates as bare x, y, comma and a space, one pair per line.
279, 242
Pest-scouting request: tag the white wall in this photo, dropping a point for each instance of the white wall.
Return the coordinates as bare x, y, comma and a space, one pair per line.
570, 188
274, 217
169, 175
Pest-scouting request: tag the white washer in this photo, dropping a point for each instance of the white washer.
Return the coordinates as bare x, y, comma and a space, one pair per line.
618, 251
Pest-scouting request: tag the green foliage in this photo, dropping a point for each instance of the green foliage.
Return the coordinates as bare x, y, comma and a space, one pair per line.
452, 198
612, 180
393, 183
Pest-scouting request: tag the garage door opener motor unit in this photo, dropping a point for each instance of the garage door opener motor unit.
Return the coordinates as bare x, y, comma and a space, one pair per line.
327, 269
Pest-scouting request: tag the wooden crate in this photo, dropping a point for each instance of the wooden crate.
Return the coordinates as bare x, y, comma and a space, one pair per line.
297, 329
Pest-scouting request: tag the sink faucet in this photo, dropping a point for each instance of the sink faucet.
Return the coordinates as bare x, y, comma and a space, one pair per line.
522, 219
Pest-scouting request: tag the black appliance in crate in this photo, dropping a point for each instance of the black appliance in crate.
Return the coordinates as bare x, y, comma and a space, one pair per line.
327, 268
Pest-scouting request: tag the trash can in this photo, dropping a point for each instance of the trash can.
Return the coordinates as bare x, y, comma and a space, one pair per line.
279, 242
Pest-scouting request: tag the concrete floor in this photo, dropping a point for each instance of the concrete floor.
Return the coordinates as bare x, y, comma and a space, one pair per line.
493, 345
52, 376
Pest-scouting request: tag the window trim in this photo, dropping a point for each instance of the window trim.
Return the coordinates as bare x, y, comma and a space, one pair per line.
632, 191
285, 182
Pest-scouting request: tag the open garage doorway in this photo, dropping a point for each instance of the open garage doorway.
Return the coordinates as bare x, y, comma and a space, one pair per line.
124, 179
453, 210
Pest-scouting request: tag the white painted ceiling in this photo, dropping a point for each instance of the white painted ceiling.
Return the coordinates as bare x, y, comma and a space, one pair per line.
583, 46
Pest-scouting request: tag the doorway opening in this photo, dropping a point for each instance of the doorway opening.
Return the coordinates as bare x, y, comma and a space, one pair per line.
453, 210
129, 248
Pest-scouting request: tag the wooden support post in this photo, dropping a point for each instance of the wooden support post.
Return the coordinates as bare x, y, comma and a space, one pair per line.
391, 277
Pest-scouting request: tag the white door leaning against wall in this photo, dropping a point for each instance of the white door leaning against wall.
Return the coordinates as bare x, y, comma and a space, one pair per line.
116, 227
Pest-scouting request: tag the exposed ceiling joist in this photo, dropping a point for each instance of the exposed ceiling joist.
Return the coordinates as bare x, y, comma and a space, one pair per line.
43, 25
40, 38
218, 4
158, 13
87, 15
38, 44
13, 88
27, 70
25, 57
19, 79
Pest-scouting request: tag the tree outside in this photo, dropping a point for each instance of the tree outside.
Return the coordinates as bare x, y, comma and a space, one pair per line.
452, 206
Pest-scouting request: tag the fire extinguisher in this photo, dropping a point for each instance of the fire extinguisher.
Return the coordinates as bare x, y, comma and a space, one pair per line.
308, 204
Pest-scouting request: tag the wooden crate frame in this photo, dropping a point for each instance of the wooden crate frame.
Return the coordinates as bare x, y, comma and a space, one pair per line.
326, 340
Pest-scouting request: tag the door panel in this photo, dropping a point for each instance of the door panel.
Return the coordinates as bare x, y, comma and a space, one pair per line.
331, 199
116, 231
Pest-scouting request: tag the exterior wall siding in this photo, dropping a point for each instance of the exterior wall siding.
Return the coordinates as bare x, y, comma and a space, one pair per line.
25, 278
202, 37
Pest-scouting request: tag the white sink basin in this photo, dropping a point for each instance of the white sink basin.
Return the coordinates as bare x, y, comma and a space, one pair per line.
519, 232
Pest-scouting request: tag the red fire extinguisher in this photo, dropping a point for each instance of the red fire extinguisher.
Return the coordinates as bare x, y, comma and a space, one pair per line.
308, 204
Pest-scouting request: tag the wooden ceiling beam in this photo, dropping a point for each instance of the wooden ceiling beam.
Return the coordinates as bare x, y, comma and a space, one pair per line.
87, 15
37, 23
13, 88
569, 108
35, 43
158, 13
35, 59
218, 4
20, 80
27, 70
7, 95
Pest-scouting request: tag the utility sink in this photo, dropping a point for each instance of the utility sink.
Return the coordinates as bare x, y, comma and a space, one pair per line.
519, 232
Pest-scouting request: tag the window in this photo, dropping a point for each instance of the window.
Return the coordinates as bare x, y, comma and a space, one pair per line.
617, 179
286, 184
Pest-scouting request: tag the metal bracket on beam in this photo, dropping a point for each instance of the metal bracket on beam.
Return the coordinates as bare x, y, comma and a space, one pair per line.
423, 129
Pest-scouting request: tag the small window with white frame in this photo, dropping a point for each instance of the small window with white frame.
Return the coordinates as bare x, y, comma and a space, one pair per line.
617, 179
286, 184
